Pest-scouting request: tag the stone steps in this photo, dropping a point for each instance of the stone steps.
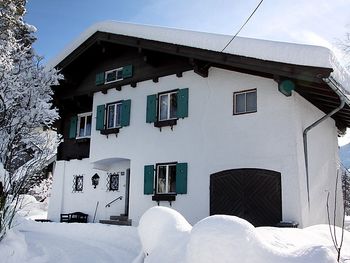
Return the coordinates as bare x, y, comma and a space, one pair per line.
121, 220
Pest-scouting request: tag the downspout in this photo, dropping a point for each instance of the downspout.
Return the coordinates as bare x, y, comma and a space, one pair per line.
336, 88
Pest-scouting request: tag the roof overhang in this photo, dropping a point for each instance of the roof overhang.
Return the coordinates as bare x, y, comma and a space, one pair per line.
304, 64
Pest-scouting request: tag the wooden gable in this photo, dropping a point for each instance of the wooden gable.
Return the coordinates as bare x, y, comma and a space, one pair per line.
153, 59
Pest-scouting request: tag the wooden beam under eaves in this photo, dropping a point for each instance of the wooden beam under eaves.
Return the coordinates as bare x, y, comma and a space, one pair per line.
201, 70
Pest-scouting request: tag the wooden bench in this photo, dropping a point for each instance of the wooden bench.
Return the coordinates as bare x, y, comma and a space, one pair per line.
76, 217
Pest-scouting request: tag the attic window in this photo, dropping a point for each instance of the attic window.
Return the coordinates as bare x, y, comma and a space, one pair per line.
244, 102
113, 75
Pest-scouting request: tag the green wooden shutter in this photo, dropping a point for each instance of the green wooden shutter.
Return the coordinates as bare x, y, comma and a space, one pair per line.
100, 78
127, 71
73, 127
182, 103
148, 179
151, 111
125, 114
181, 178
100, 117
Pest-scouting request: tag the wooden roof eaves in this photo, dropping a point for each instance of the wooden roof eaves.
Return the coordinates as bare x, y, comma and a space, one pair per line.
305, 73
320, 95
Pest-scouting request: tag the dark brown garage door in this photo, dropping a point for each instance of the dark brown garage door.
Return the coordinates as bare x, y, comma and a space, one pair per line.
252, 194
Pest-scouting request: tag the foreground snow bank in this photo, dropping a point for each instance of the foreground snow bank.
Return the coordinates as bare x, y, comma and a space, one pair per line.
167, 237
163, 229
32, 242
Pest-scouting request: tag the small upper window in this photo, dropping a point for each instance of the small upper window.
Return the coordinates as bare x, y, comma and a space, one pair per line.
167, 106
113, 75
114, 115
244, 102
84, 125
166, 179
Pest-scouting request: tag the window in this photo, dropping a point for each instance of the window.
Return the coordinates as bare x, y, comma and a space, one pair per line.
84, 125
167, 106
166, 179
113, 75
78, 183
113, 182
244, 102
114, 115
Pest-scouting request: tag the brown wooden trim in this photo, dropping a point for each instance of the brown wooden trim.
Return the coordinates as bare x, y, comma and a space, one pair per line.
165, 123
164, 197
110, 131
307, 73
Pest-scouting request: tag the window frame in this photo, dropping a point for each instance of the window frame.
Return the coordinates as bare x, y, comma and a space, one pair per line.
167, 178
112, 70
168, 93
109, 181
245, 106
119, 102
80, 116
77, 178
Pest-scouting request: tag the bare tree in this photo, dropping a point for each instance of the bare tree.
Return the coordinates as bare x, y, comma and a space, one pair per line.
336, 240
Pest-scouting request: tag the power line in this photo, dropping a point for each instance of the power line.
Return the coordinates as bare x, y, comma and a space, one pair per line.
256, 8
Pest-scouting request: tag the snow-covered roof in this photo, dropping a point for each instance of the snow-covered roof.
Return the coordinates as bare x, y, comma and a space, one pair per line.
291, 53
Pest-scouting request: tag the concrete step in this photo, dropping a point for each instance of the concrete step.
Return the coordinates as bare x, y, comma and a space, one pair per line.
117, 222
121, 218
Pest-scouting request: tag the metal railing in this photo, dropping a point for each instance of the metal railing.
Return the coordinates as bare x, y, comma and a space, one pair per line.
114, 200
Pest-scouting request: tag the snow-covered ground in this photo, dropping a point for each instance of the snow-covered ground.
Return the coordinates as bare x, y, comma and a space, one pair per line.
165, 236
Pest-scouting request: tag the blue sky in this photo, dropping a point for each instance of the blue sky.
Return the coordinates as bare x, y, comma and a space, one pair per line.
318, 22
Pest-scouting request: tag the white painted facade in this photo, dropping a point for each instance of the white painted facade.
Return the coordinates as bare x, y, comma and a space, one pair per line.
210, 139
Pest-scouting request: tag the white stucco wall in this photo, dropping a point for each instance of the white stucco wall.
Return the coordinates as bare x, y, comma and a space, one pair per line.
64, 200
323, 158
210, 140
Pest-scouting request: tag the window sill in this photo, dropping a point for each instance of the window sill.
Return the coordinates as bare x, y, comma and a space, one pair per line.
164, 197
110, 131
165, 123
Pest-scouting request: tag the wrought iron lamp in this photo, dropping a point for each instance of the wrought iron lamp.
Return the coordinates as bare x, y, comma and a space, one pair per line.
94, 179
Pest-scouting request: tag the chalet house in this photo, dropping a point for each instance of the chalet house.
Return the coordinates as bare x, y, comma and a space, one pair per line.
159, 116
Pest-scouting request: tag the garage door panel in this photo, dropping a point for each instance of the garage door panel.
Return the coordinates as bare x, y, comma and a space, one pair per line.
252, 194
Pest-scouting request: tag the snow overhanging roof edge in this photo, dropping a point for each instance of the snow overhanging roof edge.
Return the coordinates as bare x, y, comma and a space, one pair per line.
290, 53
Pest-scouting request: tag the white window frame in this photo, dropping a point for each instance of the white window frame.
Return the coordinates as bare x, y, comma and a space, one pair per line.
166, 178
114, 115
116, 73
168, 109
245, 92
80, 116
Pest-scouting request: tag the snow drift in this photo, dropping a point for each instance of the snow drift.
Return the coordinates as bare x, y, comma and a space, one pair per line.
167, 237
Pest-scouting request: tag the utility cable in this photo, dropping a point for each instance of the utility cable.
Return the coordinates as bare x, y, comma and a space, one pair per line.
256, 8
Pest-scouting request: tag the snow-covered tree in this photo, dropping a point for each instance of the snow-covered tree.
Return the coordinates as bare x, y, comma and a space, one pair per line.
42, 191
25, 109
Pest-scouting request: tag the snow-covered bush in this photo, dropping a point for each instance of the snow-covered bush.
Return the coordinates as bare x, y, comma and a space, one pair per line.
42, 191
163, 233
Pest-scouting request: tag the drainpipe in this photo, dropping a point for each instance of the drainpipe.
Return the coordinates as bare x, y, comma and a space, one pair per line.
336, 88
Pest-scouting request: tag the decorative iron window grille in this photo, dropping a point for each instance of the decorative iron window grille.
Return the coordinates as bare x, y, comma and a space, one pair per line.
78, 183
113, 182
